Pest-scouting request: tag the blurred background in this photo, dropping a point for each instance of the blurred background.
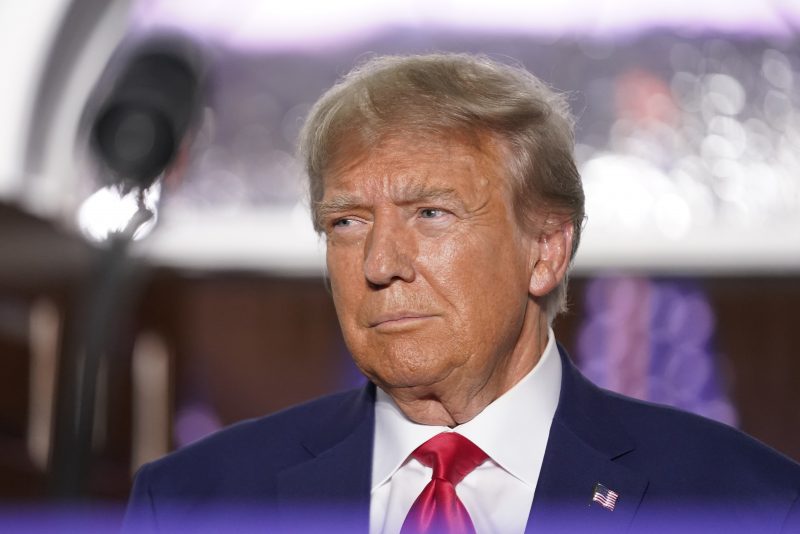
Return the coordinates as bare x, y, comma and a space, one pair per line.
141, 310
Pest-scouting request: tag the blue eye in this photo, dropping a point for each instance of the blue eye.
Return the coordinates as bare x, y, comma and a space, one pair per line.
343, 222
430, 213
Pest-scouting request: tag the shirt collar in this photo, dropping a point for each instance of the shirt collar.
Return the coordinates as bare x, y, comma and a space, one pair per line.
526, 409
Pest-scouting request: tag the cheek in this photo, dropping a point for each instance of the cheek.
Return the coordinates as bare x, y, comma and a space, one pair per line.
485, 280
345, 280
449, 263
470, 264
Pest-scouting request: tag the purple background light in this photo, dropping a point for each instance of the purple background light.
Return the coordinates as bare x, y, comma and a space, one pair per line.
653, 340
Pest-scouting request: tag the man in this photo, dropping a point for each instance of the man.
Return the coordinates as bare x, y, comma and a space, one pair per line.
452, 208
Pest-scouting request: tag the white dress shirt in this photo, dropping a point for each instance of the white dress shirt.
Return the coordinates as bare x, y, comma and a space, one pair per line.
512, 431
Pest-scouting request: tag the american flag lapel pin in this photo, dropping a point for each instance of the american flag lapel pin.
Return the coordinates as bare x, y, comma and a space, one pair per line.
605, 497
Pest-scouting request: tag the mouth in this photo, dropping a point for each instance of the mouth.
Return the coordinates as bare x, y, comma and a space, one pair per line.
398, 320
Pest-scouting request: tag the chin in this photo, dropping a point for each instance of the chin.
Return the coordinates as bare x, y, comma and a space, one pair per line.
400, 373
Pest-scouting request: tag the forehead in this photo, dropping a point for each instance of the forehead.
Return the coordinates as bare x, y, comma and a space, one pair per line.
403, 166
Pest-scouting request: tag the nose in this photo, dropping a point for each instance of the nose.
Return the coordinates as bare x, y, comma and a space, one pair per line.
389, 252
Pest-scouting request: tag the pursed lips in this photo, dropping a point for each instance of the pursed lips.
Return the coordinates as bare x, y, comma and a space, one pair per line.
398, 318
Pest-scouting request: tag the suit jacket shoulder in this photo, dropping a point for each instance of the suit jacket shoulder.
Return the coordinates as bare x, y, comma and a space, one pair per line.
692, 447
663, 465
306, 455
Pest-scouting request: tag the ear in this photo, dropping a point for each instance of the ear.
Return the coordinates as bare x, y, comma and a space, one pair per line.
554, 250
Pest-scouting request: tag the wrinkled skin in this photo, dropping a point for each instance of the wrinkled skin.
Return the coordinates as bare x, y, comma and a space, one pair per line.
434, 282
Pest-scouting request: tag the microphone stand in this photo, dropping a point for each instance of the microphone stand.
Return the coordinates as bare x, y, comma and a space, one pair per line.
110, 294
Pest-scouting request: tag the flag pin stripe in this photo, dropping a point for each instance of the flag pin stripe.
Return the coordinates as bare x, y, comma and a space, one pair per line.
605, 497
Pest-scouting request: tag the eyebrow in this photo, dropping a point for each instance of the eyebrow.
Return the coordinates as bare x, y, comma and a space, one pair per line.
412, 194
416, 193
339, 203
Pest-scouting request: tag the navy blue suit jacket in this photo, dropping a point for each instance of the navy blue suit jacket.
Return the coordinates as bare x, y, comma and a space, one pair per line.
308, 468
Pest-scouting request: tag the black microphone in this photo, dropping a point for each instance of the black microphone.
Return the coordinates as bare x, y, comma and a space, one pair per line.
139, 127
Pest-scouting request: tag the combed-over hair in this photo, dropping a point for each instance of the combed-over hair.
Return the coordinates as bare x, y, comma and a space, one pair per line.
456, 95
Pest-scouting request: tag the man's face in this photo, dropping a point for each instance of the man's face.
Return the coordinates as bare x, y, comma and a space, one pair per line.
428, 267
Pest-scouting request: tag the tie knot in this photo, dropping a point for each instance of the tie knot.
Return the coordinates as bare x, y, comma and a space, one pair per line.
451, 455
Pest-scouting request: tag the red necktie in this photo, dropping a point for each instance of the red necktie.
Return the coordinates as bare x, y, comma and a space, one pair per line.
438, 509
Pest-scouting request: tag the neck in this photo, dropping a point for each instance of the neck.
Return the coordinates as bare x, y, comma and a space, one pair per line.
461, 396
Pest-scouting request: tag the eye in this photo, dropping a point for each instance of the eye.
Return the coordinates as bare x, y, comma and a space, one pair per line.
343, 223
431, 213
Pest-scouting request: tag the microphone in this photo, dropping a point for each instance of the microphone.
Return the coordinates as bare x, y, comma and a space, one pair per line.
140, 126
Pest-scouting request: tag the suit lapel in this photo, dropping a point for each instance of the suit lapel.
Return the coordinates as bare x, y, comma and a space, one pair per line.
337, 476
585, 442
